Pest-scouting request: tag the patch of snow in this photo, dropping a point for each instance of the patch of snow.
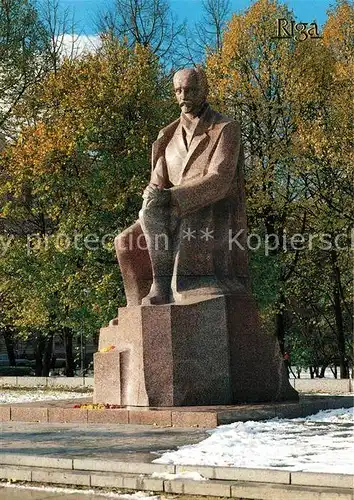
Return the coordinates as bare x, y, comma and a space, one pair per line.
138, 495
320, 393
195, 476
32, 395
323, 442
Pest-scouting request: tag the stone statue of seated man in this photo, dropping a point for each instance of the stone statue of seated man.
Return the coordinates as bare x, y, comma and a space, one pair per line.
188, 248
183, 245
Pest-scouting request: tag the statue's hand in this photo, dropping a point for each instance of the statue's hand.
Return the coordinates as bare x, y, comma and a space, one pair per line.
151, 192
157, 196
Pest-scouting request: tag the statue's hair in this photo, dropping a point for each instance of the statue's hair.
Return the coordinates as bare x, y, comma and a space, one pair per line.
200, 74
202, 78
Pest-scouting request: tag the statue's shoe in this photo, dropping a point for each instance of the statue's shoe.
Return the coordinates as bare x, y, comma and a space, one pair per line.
155, 300
157, 296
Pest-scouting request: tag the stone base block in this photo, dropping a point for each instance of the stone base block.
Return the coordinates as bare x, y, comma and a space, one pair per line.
258, 371
108, 385
206, 352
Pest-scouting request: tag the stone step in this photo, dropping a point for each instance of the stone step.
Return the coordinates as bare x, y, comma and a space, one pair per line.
188, 416
241, 490
235, 482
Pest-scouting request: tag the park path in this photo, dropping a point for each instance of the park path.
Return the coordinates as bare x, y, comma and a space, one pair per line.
123, 442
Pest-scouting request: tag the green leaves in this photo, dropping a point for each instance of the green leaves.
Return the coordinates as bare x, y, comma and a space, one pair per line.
73, 180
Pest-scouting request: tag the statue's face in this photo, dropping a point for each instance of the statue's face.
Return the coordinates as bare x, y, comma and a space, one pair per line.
189, 92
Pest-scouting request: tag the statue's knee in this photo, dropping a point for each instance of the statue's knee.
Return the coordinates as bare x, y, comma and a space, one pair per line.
147, 215
154, 213
144, 211
123, 242
129, 240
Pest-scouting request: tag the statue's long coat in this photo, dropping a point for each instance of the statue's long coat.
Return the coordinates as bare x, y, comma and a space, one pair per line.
209, 192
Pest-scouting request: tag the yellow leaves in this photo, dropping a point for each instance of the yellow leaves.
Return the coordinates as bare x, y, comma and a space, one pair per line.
108, 348
338, 36
339, 27
250, 59
68, 172
292, 98
235, 37
97, 406
32, 312
255, 28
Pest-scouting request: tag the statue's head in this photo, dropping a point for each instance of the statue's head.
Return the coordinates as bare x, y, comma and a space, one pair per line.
191, 89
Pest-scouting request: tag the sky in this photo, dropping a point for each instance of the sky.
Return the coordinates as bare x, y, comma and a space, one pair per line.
85, 11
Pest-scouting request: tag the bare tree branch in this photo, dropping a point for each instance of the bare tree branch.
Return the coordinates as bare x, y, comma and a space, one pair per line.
147, 22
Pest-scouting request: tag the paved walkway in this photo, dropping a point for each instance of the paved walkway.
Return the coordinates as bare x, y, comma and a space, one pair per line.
27, 448
129, 443
134, 443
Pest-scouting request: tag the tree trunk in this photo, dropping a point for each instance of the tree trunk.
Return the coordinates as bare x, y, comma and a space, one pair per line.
322, 371
8, 337
343, 369
339, 317
43, 349
280, 323
69, 358
38, 352
47, 355
334, 371
95, 339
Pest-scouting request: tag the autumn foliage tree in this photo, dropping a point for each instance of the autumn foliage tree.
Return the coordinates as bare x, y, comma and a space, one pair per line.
248, 77
290, 99
324, 166
22, 39
76, 176
72, 178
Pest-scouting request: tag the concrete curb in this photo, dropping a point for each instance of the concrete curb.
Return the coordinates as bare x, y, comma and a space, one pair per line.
278, 476
52, 382
331, 386
267, 484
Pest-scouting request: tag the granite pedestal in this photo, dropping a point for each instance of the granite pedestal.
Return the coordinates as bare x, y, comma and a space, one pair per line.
201, 352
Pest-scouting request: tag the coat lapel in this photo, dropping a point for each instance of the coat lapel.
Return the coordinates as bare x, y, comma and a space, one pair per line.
200, 135
161, 142
196, 141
